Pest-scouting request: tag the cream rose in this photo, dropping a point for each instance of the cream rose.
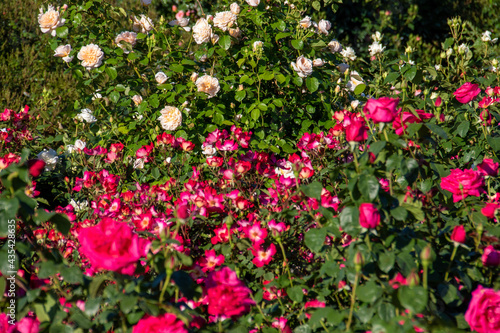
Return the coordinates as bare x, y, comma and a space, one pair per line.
235, 8
324, 26
303, 66
50, 20
202, 31
128, 37
208, 84
171, 118
335, 46
137, 99
305, 22
257, 46
253, 3
63, 51
318, 62
91, 56
224, 20
144, 24
161, 77
235, 33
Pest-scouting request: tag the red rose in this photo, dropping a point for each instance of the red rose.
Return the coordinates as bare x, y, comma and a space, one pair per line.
488, 167
463, 183
490, 210
35, 167
458, 235
113, 246
382, 110
491, 257
163, 323
369, 216
356, 131
467, 92
484, 309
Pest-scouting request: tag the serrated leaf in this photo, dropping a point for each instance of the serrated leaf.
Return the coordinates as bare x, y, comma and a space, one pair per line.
463, 128
410, 73
494, 142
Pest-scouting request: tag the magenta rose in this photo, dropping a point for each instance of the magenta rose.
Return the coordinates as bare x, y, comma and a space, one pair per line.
488, 167
483, 314
27, 325
463, 183
490, 209
491, 257
113, 246
400, 123
369, 216
467, 92
356, 131
163, 323
382, 110
458, 234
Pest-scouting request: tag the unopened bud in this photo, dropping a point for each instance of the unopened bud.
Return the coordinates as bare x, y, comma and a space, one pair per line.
426, 255
194, 77
359, 261
413, 279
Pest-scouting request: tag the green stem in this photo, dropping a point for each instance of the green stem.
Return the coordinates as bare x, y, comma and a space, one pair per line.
451, 261
353, 301
285, 262
167, 282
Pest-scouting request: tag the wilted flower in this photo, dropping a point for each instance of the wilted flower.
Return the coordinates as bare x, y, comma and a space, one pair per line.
343, 67
182, 22
170, 118
335, 46
50, 20
215, 38
63, 51
303, 66
377, 36
235, 8
137, 99
324, 26
194, 77
161, 77
202, 31
86, 115
128, 37
144, 24
253, 3
224, 20
348, 53
91, 56
375, 48
139, 163
50, 158
208, 84
318, 62
305, 22
235, 33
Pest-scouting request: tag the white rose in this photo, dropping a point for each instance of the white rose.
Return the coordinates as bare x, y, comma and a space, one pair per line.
202, 31
161, 77
324, 26
318, 62
139, 163
257, 46
91, 56
194, 77
235, 8
235, 33
63, 51
86, 115
128, 37
209, 150
377, 37
80, 145
253, 3
224, 20
348, 53
208, 84
144, 24
375, 48
354, 81
50, 20
137, 99
303, 66
305, 22
50, 158
335, 46
215, 38
171, 118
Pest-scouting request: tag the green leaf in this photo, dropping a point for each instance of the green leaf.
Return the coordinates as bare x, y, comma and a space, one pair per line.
391, 77
494, 142
369, 292
302, 329
314, 239
377, 147
111, 71
386, 261
316, 5
312, 84
72, 275
450, 294
399, 213
240, 95
297, 80
282, 35
225, 42
463, 128
349, 220
255, 114
297, 44
127, 303
295, 293
368, 185
414, 299
62, 32
410, 73
313, 190
114, 97
177, 68
359, 88
436, 129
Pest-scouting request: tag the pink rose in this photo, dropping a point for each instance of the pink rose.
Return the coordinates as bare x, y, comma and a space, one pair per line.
467, 92
483, 314
463, 183
400, 123
488, 167
28, 325
491, 257
458, 235
356, 131
382, 110
369, 216
163, 323
490, 210
113, 246
4, 323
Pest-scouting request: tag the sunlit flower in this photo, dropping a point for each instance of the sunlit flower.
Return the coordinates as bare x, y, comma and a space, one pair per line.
286, 172
202, 31
257, 46
354, 81
144, 24
377, 36
253, 3
63, 51
486, 37
335, 46
50, 20
324, 26
161, 77
208, 84
50, 158
86, 115
375, 48
348, 53
171, 118
303, 66
139, 163
235, 32
235, 8
305, 22
91, 56
463, 49
137, 99
224, 20
128, 37
318, 62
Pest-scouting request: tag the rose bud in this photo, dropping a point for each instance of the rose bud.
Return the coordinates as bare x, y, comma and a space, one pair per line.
369, 216
35, 167
183, 212
458, 235
491, 257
